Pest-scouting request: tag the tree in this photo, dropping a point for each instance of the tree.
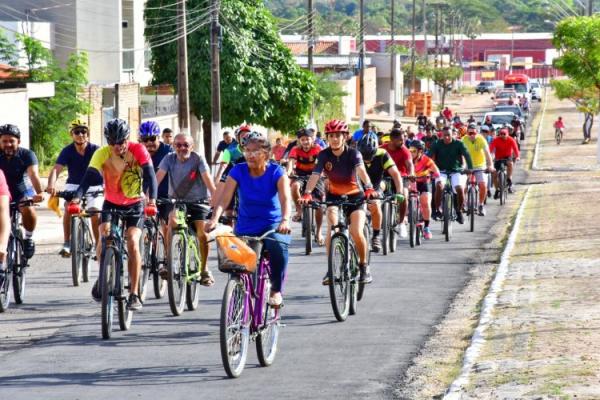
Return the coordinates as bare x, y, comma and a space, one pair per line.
8, 51
585, 99
443, 77
260, 80
328, 100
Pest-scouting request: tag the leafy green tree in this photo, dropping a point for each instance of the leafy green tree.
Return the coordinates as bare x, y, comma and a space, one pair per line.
260, 80
444, 77
584, 98
8, 51
329, 100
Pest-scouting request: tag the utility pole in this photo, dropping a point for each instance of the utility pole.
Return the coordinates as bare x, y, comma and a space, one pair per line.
362, 62
215, 77
414, 43
311, 48
392, 111
183, 114
437, 37
424, 28
590, 8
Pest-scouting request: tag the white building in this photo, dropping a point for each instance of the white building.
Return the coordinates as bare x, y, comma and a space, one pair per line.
110, 31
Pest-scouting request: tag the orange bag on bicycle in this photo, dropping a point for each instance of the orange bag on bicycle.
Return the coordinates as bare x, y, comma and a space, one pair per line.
235, 255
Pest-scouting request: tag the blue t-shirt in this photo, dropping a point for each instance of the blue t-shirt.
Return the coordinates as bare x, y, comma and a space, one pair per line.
223, 145
356, 136
15, 170
163, 150
76, 163
320, 142
259, 208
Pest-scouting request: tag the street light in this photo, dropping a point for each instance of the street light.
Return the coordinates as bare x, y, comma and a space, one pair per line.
512, 30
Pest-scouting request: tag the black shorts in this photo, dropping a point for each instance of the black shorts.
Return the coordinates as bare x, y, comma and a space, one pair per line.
498, 163
163, 212
348, 209
424, 187
318, 191
136, 220
197, 212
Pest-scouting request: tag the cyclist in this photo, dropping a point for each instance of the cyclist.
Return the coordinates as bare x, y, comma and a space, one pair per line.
517, 126
488, 123
303, 159
125, 166
20, 167
76, 157
320, 141
227, 142
448, 155
471, 119
401, 156
422, 120
167, 136
477, 147
377, 163
429, 139
447, 114
231, 156
559, 125
343, 166
366, 128
504, 148
424, 169
189, 179
149, 133
263, 189
487, 133
4, 223
278, 150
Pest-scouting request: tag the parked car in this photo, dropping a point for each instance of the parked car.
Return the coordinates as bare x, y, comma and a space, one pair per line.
485, 87
536, 91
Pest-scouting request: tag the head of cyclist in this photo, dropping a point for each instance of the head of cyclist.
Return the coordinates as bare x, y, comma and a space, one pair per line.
410, 134
503, 133
397, 139
227, 138
10, 138
416, 149
336, 132
306, 139
79, 133
116, 132
149, 133
366, 125
472, 132
397, 124
488, 119
485, 130
447, 135
257, 151
184, 145
278, 141
167, 136
241, 133
367, 145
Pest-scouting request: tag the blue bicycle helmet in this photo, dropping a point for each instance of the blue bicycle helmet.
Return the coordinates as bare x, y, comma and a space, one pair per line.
149, 129
367, 145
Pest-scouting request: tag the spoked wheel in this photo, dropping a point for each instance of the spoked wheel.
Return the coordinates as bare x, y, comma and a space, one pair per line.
107, 282
307, 227
268, 335
447, 216
88, 248
125, 315
367, 233
146, 249
502, 187
472, 201
339, 281
192, 293
158, 261
419, 234
355, 286
76, 249
412, 221
6, 279
176, 284
385, 227
234, 328
18, 272
393, 218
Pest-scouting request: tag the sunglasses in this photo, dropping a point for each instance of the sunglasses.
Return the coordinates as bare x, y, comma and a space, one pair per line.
182, 145
80, 132
149, 139
119, 143
252, 153
413, 150
472, 133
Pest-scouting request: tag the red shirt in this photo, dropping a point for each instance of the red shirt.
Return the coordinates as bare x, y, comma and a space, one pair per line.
3, 186
400, 157
278, 151
305, 160
447, 113
504, 148
559, 125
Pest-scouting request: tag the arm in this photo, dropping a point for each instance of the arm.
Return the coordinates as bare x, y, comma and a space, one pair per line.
467, 156
515, 149
220, 171
226, 196
208, 181
52, 178
312, 183
361, 171
410, 167
160, 175
291, 166
150, 180
488, 159
285, 196
34, 176
216, 157
395, 174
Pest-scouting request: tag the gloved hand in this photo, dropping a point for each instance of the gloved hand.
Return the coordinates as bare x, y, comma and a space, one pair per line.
150, 210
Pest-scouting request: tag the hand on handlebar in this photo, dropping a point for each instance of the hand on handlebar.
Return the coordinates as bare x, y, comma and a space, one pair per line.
38, 198
371, 193
305, 199
284, 227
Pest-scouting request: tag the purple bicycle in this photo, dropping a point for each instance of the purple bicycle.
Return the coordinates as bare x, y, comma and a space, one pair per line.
246, 314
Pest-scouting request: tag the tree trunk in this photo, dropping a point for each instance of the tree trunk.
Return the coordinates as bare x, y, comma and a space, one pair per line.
444, 89
587, 125
206, 132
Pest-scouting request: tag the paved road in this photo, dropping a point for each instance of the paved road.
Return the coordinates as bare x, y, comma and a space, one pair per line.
51, 347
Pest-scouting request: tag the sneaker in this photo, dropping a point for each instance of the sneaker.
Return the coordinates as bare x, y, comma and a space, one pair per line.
403, 231
365, 274
326, 281
436, 215
460, 218
65, 251
496, 195
510, 189
96, 292
427, 233
28, 248
134, 303
481, 210
376, 244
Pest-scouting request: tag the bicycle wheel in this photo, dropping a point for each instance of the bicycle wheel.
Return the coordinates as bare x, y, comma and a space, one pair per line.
393, 223
307, 227
502, 186
367, 234
412, 221
385, 226
268, 333
176, 284
107, 282
123, 282
76, 251
355, 286
447, 210
234, 327
146, 253
6, 278
471, 205
158, 261
18, 272
339, 279
192, 293
88, 249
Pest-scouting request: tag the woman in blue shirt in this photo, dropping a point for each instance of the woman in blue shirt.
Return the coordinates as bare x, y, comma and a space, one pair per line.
264, 204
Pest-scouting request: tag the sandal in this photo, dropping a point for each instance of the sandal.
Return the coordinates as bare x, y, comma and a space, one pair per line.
297, 218
206, 278
163, 272
320, 242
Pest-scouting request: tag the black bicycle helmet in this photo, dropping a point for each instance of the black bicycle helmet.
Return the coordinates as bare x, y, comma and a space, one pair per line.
417, 144
116, 131
10, 129
305, 132
367, 145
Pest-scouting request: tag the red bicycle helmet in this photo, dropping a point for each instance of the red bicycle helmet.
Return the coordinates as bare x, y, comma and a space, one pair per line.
336, 125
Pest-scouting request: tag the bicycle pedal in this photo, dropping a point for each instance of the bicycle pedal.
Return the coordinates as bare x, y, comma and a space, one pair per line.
128, 287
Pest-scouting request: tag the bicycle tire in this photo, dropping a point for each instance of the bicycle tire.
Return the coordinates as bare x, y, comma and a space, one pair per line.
472, 201
412, 221
192, 292
107, 280
158, 261
268, 334
502, 186
355, 286
339, 281
88, 250
447, 216
5, 285
234, 330
419, 235
176, 285
385, 227
146, 253
307, 231
367, 234
18, 272
125, 315
75, 251
393, 222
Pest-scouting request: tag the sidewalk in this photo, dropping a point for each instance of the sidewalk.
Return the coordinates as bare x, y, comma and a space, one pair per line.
544, 339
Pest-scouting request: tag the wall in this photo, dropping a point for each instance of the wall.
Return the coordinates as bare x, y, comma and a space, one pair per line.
370, 90
14, 109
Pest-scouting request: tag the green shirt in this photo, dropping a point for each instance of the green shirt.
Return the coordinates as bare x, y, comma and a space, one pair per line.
449, 157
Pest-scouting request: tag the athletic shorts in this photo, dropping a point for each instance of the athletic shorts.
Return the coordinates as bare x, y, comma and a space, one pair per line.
137, 209
424, 187
348, 209
317, 192
456, 178
481, 176
164, 209
92, 202
498, 163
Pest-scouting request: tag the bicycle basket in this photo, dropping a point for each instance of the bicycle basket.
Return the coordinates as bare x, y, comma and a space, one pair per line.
235, 256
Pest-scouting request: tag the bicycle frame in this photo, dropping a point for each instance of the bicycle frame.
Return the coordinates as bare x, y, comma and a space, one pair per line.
115, 241
183, 228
